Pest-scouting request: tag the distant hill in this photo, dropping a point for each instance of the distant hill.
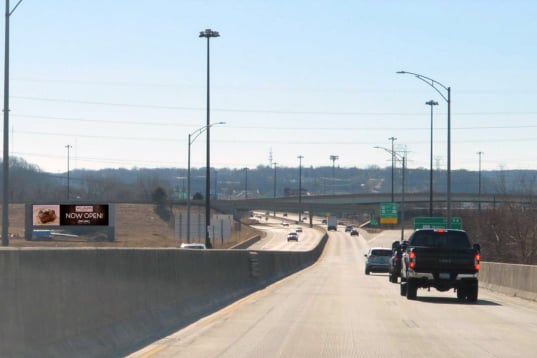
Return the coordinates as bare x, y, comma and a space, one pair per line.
29, 183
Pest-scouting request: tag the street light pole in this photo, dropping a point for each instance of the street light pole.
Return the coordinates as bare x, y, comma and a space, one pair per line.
5, 164
68, 147
447, 97
246, 183
300, 188
403, 200
393, 165
431, 103
191, 138
208, 33
275, 164
480, 153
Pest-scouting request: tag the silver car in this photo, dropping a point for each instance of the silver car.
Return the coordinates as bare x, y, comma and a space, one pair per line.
377, 260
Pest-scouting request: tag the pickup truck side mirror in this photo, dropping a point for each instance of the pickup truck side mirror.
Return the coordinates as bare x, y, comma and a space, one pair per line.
477, 247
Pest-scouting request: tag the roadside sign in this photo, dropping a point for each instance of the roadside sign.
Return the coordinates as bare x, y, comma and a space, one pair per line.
436, 223
388, 213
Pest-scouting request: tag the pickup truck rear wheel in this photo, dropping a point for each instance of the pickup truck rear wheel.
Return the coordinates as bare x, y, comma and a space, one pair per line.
471, 293
411, 290
468, 292
461, 293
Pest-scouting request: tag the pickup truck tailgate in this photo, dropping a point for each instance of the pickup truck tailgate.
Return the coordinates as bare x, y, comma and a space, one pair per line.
435, 260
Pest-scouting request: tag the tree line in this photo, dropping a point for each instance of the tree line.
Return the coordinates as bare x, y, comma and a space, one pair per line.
507, 232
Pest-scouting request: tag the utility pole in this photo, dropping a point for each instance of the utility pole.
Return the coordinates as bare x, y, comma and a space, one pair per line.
68, 191
393, 165
5, 164
431, 103
300, 188
480, 153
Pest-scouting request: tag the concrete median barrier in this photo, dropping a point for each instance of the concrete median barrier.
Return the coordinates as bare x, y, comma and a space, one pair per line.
110, 302
513, 280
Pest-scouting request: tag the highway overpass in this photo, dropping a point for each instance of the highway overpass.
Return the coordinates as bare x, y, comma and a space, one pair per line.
352, 201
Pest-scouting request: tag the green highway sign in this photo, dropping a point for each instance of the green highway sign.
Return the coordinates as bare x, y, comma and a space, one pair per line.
436, 223
388, 213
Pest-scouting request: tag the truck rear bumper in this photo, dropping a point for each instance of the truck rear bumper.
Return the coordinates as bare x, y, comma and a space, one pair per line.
443, 282
442, 276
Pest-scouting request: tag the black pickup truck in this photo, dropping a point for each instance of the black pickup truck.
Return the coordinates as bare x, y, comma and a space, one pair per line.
443, 259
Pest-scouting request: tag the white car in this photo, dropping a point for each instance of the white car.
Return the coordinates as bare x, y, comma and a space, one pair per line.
292, 236
194, 246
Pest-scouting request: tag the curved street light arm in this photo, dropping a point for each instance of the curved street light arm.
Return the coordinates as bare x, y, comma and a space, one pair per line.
198, 131
17, 5
395, 153
430, 82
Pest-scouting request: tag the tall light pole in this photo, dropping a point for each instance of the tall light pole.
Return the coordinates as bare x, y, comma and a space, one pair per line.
191, 138
245, 183
480, 153
208, 33
300, 187
447, 97
275, 164
333, 158
403, 159
393, 165
68, 148
431, 103
5, 165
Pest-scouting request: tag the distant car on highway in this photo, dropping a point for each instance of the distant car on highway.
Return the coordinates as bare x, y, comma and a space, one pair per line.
292, 236
194, 246
354, 232
377, 260
348, 228
298, 229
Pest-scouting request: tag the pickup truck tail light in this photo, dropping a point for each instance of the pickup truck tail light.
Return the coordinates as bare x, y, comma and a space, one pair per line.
412, 259
477, 260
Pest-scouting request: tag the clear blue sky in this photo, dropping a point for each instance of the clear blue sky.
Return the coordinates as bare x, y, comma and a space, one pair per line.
124, 82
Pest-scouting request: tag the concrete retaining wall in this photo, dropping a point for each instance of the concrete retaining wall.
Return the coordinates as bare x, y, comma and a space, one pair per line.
514, 280
110, 302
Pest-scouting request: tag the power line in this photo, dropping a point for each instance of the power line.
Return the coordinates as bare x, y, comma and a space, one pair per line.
237, 110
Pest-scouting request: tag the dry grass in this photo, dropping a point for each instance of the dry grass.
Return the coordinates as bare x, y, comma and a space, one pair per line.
137, 225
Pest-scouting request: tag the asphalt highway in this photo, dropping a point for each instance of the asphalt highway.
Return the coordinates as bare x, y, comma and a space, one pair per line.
332, 309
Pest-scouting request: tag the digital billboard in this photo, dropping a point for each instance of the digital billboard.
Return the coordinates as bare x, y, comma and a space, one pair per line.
68, 215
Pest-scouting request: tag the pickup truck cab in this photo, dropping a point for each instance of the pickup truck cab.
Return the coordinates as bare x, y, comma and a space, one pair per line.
443, 259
